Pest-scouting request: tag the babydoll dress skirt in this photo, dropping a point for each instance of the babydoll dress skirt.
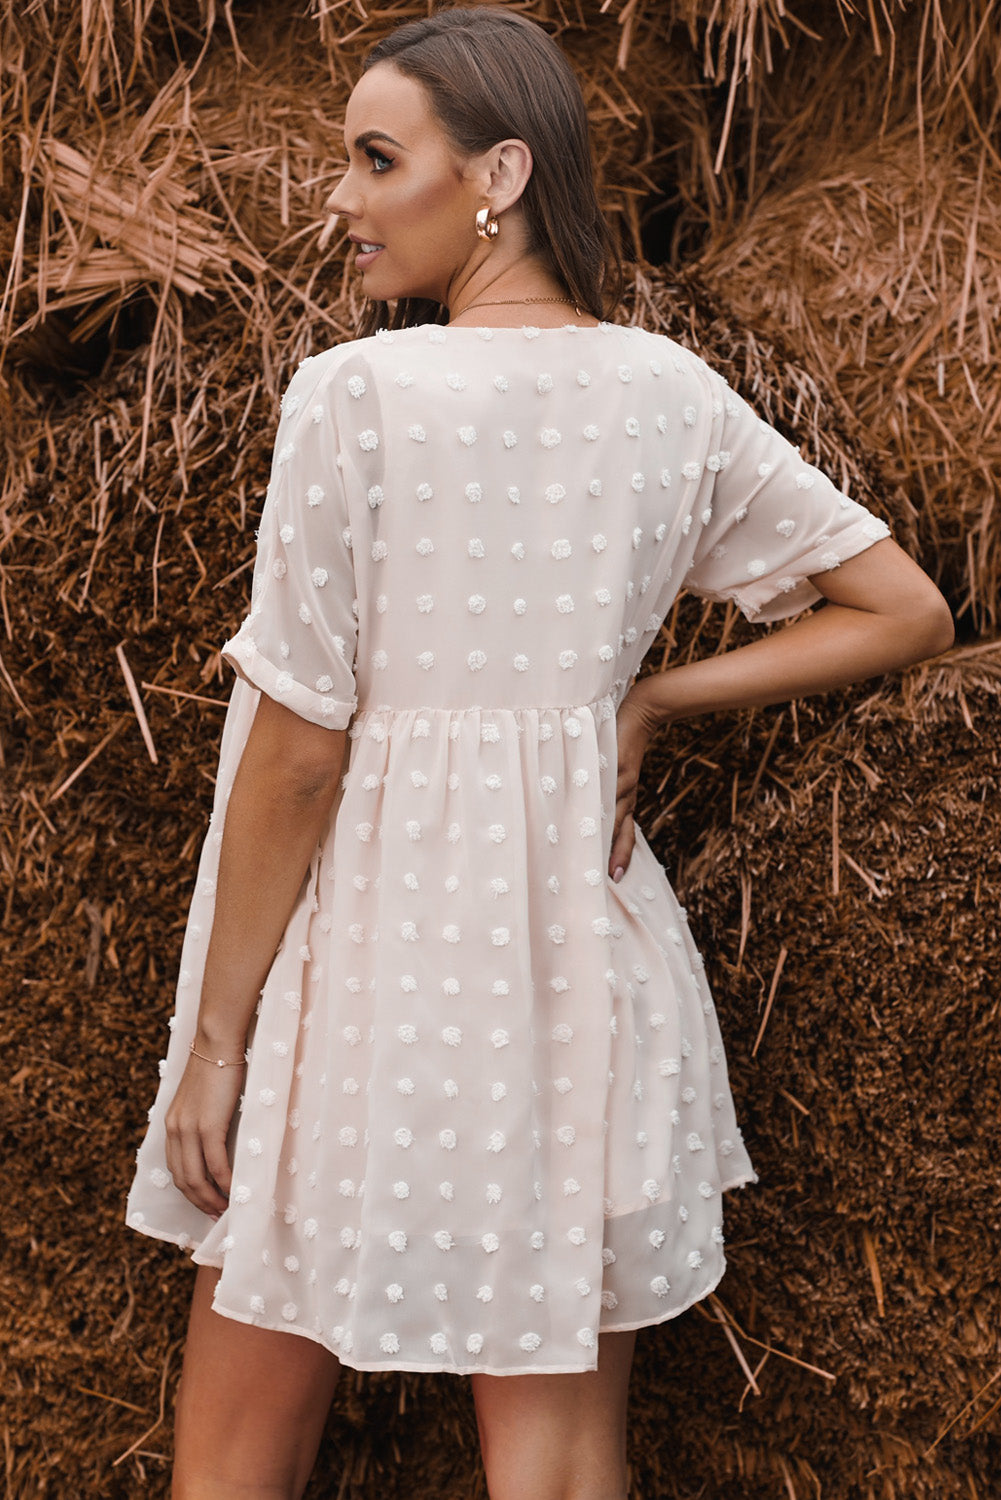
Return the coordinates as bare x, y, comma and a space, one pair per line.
486, 1113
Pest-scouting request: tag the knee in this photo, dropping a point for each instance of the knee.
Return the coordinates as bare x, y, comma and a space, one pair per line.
208, 1485
583, 1489
543, 1474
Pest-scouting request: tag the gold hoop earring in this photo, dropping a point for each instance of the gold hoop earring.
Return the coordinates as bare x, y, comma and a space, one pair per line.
486, 224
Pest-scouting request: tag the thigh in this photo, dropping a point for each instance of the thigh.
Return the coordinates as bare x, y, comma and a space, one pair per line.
251, 1405
558, 1435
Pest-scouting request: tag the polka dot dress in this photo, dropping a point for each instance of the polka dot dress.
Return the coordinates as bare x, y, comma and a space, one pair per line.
486, 1113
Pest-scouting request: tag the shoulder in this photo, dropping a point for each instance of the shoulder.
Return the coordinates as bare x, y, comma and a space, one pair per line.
681, 359
672, 365
328, 366
358, 367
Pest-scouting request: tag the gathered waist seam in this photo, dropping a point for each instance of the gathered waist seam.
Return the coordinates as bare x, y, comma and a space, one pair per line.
487, 708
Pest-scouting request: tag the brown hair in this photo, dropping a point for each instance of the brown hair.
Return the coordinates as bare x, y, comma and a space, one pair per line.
490, 76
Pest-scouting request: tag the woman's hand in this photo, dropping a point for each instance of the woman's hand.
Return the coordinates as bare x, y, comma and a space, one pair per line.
635, 725
198, 1122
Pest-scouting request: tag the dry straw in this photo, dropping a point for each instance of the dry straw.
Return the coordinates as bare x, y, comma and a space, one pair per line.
888, 283
825, 181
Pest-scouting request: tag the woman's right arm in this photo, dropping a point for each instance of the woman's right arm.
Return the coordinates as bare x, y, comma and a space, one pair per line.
282, 795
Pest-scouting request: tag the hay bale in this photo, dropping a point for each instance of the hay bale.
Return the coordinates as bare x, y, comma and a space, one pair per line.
101, 875
836, 856
883, 273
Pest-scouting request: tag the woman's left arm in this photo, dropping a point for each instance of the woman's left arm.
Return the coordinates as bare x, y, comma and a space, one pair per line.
883, 613
282, 795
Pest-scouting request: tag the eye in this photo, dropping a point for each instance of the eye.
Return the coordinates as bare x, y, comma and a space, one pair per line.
380, 161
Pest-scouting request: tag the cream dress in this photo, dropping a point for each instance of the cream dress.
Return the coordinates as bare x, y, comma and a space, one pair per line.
486, 1113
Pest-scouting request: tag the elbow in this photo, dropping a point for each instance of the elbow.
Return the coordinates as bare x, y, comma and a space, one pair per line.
315, 778
291, 760
311, 774
933, 630
941, 627
948, 633
306, 785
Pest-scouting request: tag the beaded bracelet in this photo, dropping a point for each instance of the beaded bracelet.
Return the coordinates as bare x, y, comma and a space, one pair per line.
217, 1062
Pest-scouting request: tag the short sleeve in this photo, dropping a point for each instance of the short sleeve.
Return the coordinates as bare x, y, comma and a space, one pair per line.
297, 645
773, 520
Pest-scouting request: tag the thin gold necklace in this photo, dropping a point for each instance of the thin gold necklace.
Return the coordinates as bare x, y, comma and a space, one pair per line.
518, 301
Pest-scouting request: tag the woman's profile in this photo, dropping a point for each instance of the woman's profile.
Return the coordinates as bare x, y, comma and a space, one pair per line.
445, 1088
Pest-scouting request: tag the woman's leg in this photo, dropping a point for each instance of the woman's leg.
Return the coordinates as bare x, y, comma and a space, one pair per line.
558, 1437
250, 1409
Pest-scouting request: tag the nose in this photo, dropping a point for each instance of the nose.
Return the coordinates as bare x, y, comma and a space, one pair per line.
337, 207
341, 199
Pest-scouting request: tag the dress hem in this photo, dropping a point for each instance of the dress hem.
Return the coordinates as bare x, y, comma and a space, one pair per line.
431, 1368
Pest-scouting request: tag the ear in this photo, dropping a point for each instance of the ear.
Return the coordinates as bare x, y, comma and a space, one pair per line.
506, 169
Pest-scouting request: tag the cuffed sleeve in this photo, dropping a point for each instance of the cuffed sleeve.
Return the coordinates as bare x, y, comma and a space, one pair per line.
298, 642
774, 520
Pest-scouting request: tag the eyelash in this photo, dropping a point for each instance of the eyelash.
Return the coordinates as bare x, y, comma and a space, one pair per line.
375, 156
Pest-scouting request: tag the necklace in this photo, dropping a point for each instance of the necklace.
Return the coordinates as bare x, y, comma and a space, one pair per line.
517, 301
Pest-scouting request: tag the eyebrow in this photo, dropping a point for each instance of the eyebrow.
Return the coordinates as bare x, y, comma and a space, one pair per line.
367, 136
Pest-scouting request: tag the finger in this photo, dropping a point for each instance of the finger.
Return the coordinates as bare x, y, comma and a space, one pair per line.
626, 794
197, 1188
172, 1155
214, 1148
622, 848
622, 806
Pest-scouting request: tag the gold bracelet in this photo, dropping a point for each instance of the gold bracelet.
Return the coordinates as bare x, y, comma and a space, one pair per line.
217, 1062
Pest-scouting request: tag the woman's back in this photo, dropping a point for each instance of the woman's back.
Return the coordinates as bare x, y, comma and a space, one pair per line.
486, 1113
501, 568
516, 511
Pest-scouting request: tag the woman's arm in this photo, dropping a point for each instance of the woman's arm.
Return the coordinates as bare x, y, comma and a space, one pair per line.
282, 795
883, 613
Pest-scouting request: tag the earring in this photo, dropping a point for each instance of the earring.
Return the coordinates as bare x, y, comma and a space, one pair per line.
486, 224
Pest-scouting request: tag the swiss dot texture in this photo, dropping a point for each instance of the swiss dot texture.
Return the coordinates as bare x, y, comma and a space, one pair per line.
469, 540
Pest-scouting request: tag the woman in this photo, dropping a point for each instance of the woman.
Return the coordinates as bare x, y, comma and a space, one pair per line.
485, 1124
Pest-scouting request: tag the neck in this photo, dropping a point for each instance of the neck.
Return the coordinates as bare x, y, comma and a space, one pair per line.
511, 287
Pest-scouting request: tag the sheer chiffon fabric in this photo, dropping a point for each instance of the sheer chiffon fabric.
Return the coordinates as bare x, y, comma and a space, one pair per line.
486, 1113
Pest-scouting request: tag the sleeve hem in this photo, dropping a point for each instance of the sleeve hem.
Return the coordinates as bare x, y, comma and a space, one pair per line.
323, 709
776, 599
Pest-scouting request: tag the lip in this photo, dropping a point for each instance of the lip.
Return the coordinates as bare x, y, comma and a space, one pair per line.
364, 258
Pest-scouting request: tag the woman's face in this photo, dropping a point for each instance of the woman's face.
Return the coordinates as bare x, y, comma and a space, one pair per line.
408, 200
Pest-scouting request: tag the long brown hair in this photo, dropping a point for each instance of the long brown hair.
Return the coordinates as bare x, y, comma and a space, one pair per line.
491, 76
